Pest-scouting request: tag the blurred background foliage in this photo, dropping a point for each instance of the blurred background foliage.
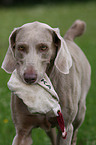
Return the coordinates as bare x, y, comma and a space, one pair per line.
28, 2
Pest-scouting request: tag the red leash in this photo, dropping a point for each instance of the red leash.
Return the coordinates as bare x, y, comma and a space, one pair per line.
61, 124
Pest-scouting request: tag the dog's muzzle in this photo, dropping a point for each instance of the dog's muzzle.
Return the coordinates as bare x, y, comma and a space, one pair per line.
30, 78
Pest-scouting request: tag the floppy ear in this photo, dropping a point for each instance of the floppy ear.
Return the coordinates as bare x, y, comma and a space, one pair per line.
63, 60
9, 62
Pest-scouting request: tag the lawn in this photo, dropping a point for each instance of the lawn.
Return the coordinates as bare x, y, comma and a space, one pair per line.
62, 16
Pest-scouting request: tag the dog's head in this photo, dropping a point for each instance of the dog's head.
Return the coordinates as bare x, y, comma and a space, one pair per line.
31, 49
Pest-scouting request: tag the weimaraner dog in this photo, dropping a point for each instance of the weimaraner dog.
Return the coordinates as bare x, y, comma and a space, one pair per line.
36, 48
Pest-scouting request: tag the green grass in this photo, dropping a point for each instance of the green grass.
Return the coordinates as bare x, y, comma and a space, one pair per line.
62, 16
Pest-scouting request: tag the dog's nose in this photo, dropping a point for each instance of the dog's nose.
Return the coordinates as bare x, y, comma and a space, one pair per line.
30, 78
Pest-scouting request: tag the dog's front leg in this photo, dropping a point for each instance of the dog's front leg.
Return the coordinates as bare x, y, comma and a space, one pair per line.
52, 135
67, 141
22, 121
20, 139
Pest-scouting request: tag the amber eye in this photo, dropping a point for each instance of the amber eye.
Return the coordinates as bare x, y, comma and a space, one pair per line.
43, 48
21, 48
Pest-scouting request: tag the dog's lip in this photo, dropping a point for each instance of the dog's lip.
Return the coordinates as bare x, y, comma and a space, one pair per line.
30, 83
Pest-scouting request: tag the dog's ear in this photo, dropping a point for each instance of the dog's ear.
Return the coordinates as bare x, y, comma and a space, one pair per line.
9, 62
63, 60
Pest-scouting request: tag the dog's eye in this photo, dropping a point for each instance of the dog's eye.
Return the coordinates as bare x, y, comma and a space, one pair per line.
43, 48
21, 48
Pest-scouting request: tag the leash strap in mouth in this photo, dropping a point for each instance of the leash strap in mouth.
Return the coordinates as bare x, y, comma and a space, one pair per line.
39, 98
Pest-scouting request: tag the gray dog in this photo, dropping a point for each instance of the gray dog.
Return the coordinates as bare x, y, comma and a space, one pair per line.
36, 48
